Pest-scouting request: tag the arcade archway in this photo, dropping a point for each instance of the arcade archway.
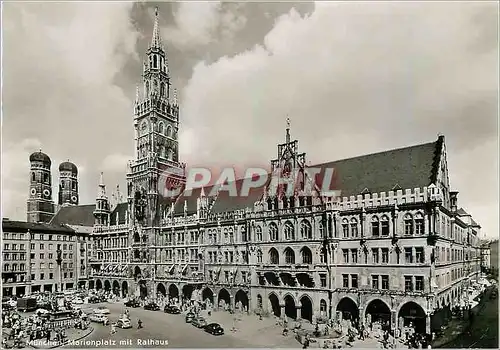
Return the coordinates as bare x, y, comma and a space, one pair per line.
412, 314
143, 289
173, 291
91, 285
187, 291
224, 296
207, 294
160, 290
378, 312
348, 309
107, 286
241, 297
275, 304
116, 288
290, 309
124, 289
98, 284
137, 272
306, 311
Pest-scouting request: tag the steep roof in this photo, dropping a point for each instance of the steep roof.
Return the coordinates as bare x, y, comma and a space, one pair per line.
121, 211
80, 215
23, 226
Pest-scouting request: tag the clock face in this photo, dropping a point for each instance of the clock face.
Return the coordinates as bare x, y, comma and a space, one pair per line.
46, 193
74, 199
33, 191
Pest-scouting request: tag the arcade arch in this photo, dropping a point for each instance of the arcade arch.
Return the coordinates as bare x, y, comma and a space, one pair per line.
173, 291
378, 311
161, 290
107, 286
306, 311
207, 294
124, 289
275, 304
290, 308
413, 313
242, 297
348, 309
224, 296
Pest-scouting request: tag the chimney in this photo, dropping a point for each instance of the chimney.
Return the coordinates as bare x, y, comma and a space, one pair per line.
453, 201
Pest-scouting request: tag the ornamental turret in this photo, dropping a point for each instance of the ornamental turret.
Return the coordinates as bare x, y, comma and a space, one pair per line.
40, 206
102, 209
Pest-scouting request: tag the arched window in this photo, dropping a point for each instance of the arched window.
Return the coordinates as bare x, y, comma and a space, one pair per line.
354, 227
289, 256
161, 128
273, 232
345, 228
259, 301
259, 256
169, 131
14, 267
322, 307
419, 224
155, 61
306, 255
258, 233
384, 225
170, 154
274, 257
321, 229
289, 231
33, 178
375, 226
147, 88
305, 230
162, 90
6, 267
408, 221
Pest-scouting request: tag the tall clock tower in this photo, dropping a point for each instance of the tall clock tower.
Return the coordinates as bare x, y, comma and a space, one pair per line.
156, 126
40, 204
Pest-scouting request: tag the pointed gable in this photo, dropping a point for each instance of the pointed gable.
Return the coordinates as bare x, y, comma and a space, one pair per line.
79, 215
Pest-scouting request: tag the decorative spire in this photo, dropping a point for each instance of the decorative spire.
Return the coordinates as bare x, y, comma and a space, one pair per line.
175, 100
137, 95
102, 187
287, 130
156, 40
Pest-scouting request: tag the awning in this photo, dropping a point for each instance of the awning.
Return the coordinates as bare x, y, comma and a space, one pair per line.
171, 269
184, 268
115, 268
124, 267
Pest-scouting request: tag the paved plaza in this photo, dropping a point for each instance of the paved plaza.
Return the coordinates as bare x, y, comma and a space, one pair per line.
160, 327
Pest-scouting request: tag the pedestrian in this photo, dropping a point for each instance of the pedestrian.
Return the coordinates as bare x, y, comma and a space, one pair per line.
113, 328
139, 324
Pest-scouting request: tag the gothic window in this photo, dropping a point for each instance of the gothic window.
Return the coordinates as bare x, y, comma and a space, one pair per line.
144, 127
155, 61
306, 255
408, 220
345, 228
258, 233
274, 257
354, 227
384, 225
162, 91
305, 230
321, 229
273, 232
288, 231
33, 176
147, 88
289, 256
169, 131
419, 224
375, 227
259, 256
161, 128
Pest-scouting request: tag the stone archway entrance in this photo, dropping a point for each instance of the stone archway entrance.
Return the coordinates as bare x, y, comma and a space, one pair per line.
116, 288
207, 294
378, 312
241, 298
306, 311
187, 291
107, 286
290, 308
160, 289
225, 297
414, 315
275, 304
348, 309
98, 285
143, 289
173, 291
124, 289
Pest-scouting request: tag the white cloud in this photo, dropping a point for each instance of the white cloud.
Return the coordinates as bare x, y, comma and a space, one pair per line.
355, 80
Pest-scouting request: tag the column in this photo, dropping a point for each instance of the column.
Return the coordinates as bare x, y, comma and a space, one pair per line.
299, 312
428, 323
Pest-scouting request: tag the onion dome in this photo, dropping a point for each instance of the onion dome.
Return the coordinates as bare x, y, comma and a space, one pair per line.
68, 166
40, 157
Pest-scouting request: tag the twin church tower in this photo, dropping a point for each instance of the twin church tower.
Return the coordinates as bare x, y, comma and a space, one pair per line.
156, 126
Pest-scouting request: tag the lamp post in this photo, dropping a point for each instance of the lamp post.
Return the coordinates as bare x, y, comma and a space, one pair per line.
59, 272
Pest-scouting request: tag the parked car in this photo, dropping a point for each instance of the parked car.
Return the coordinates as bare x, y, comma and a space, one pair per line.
77, 301
151, 307
132, 303
214, 329
102, 310
99, 318
199, 322
189, 317
172, 309
123, 323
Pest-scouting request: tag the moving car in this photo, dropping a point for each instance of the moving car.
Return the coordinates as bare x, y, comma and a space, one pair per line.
102, 310
151, 307
189, 317
172, 309
132, 303
99, 318
123, 323
214, 329
199, 322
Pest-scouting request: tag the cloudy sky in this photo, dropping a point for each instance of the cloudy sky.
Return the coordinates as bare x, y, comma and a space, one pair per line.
354, 78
